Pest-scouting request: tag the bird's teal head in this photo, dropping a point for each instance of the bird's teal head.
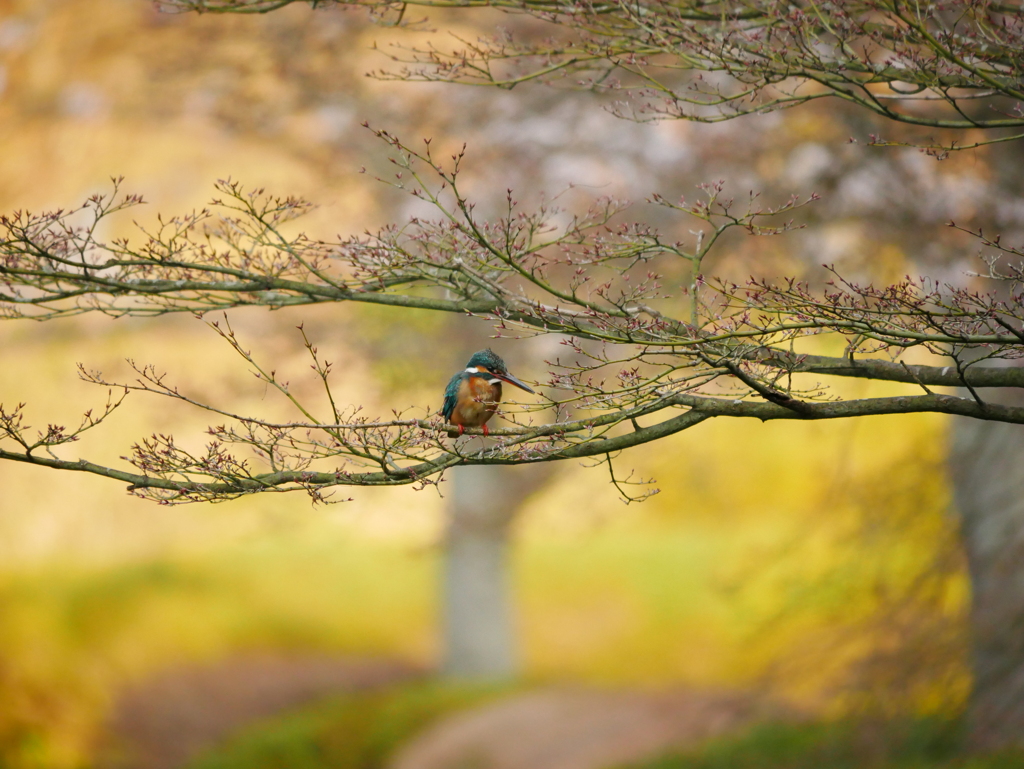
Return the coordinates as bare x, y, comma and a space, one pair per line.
488, 362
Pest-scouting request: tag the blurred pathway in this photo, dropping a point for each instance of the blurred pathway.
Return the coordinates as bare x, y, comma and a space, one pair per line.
168, 720
578, 729
165, 722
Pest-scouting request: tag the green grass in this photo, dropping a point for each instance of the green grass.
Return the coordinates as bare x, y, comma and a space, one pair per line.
906, 744
70, 640
361, 731
357, 731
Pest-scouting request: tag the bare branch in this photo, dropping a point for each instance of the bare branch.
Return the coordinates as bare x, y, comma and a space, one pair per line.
591, 279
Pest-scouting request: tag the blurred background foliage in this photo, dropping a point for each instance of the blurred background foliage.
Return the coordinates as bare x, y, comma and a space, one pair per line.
814, 561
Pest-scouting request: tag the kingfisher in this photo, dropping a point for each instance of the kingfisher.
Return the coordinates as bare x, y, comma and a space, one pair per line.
472, 395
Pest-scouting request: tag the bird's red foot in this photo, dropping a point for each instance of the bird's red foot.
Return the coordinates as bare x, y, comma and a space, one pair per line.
486, 431
462, 429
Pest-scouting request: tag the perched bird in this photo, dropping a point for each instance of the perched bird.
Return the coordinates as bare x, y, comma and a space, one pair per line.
472, 395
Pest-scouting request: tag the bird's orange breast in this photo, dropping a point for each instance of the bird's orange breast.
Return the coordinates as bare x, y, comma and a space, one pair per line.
477, 402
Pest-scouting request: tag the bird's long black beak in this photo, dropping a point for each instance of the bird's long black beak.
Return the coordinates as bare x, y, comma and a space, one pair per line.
512, 380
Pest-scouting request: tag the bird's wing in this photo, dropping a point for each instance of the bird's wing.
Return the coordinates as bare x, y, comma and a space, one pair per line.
451, 396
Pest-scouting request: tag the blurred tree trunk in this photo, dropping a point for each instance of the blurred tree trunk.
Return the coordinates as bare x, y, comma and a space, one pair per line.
987, 467
478, 615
